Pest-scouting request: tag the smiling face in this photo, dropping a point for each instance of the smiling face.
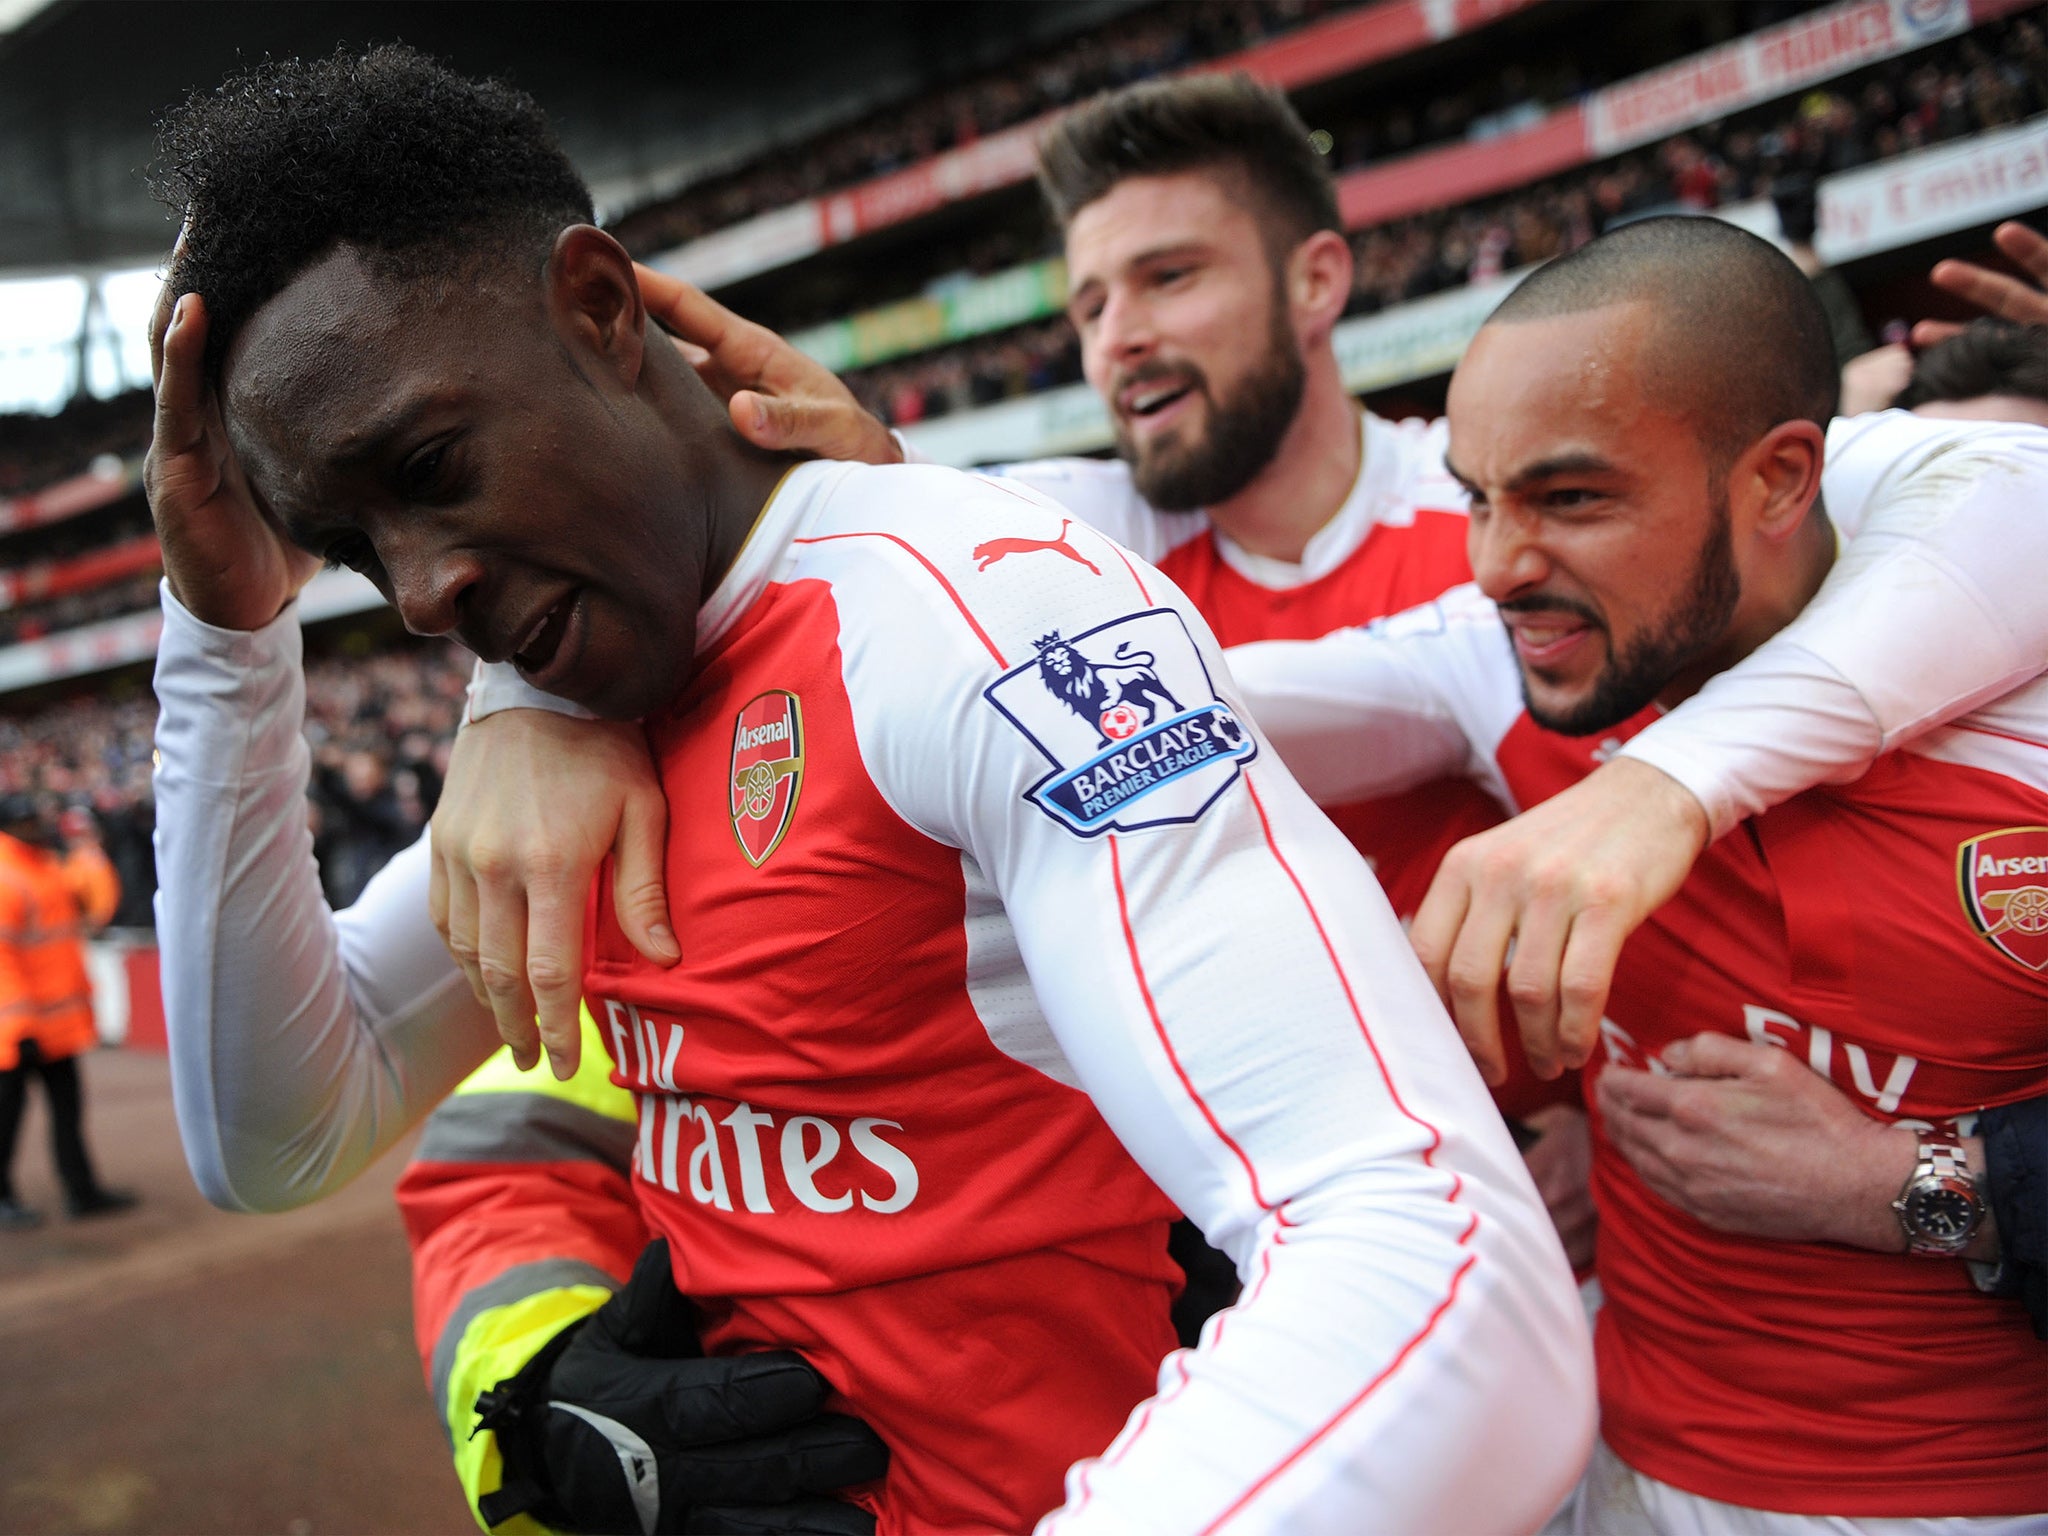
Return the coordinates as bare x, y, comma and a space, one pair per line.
483, 453
1600, 526
1185, 333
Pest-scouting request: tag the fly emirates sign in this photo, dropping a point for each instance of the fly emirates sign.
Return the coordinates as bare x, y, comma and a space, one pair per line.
733, 1156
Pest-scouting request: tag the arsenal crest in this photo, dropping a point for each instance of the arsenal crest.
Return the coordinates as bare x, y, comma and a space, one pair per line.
2003, 878
767, 771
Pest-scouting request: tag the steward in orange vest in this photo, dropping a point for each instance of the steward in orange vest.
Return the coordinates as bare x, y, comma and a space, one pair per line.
48, 903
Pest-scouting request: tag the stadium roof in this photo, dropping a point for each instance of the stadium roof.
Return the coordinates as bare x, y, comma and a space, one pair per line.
645, 96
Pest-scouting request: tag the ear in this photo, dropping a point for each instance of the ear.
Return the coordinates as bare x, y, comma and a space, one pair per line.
1318, 284
594, 301
1777, 480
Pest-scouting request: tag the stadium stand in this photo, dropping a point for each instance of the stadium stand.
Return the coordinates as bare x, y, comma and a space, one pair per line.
908, 252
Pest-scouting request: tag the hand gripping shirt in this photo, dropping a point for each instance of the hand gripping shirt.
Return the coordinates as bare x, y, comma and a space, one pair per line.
1883, 931
1007, 937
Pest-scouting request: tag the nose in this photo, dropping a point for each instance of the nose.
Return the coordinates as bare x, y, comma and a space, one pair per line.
431, 586
1507, 559
1124, 332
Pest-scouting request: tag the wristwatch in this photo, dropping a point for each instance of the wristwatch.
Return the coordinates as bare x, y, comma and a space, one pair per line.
1940, 1207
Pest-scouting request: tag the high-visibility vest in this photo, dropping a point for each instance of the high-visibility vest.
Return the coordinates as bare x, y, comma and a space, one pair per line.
44, 993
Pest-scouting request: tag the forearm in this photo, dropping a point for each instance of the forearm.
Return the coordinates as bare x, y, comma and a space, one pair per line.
1930, 612
1861, 1213
300, 1047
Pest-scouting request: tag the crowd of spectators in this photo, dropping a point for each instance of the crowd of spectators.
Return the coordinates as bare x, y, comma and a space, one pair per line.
1157, 40
36, 451
1989, 79
379, 725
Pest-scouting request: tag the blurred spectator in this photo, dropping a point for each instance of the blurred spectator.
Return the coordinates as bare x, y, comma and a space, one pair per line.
1982, 81
1157, 40
379, 728
1798, 218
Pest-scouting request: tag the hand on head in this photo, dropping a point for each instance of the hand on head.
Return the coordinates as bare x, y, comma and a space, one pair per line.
225, 561
780, 399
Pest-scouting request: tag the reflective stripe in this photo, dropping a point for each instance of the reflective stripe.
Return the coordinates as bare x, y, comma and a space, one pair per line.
522, 1282
592, 1086
523, 1128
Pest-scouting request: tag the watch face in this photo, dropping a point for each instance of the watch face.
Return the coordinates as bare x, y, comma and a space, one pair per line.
1942, 1215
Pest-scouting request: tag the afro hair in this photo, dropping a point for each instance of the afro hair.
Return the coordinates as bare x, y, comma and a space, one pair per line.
424, 172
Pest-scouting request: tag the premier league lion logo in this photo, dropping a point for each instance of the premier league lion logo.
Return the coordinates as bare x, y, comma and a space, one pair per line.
1127, 718
1119, 697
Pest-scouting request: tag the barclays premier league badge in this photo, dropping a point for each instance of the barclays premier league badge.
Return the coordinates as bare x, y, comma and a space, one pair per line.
2003, 879
767, 771
1128, 718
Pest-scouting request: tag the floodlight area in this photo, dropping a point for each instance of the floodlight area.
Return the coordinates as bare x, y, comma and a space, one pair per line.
70, 334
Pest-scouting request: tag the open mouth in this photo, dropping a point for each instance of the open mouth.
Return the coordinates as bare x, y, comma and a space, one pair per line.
544, 639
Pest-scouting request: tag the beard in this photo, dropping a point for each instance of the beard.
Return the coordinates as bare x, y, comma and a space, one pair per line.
1243, 434
1633, 678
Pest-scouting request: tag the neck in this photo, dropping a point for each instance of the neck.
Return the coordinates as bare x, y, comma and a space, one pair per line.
731, 478
1771, 599
1308, 477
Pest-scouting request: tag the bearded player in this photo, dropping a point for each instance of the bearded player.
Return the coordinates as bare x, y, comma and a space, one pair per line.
1878, 933
1218, 303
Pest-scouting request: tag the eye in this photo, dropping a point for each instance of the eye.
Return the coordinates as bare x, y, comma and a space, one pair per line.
353, 551
1166, 277
1567, 498
422, 472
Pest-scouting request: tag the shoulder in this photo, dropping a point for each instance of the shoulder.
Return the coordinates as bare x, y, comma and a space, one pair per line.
1101, 493
936, 555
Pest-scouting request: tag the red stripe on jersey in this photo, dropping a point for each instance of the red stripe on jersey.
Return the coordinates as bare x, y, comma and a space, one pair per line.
1364, 1392
979, 633
1142, 592
1123, 907
1435, 1136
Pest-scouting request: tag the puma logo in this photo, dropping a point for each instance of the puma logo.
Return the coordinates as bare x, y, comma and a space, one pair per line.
988, 554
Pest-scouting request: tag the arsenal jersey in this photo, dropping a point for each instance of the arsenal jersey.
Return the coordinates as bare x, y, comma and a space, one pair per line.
1007, 936
1889, 933
1397, 540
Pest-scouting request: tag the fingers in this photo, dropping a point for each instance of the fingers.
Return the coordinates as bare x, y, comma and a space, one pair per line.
1717, 1055
1532, 980
638, 895
1585, 976
2025, 247
554, 967
180, 380
502, 925
1472, 978
1932, 333
465, 943
829, 1451
737, 348
1993, 292
1434, 936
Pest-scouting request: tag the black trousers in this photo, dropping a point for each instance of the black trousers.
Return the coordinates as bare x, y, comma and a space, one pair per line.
62, 1092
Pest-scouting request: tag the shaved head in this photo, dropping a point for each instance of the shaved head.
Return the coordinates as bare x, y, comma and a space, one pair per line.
1740, 343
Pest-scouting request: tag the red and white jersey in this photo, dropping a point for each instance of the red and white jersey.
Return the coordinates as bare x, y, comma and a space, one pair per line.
1006, 937
1893, 934
1398, 540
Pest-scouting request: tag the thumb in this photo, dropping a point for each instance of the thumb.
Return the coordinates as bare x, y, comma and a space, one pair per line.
768, 422
1712, 1055
638, 895
650, 1317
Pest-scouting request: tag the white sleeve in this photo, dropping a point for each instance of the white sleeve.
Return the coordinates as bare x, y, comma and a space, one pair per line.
1227, 982
1361, 713
303, 1042
1933, 609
